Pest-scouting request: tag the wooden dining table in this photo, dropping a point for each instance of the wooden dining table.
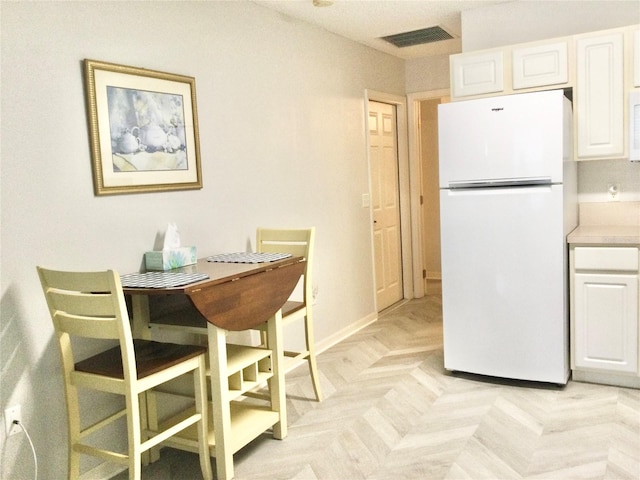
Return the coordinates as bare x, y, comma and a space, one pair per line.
234, 297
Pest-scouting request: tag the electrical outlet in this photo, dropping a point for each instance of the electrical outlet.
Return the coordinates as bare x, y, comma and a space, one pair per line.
613, 189
12, 414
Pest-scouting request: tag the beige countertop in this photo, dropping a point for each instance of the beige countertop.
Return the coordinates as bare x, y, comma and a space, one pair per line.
605, 234
607, 224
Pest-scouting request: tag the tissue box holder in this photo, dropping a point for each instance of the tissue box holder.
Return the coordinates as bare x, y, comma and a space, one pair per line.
170, 259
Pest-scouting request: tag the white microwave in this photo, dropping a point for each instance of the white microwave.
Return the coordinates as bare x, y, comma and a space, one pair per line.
634, 125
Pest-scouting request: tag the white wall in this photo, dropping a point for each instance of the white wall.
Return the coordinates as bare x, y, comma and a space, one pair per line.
427, 74
281, 112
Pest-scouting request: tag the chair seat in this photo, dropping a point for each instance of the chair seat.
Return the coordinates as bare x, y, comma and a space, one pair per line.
151, 357
291, 307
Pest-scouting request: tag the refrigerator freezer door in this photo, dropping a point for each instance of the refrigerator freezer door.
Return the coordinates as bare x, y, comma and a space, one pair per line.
507, 137
503, 280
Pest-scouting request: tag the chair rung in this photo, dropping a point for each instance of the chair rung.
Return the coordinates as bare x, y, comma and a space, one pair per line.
296, 355
108, 455
102, 423
258, 395
169, 432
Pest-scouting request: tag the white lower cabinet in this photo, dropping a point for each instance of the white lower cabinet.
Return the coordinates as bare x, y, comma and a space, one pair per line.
605, 312
606, 322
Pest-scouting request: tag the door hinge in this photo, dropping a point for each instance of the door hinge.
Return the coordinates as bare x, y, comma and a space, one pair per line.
421, 200
424, 273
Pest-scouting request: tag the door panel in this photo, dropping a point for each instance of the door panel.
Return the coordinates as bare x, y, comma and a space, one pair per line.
385, 201
606, 315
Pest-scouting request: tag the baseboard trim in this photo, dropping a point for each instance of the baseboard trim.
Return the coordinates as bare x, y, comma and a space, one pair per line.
606, 378
345, 333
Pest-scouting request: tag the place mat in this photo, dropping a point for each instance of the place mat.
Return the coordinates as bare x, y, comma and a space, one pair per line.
243, 257
160, 279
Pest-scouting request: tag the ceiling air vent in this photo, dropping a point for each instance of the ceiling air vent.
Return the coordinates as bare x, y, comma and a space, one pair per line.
417, 37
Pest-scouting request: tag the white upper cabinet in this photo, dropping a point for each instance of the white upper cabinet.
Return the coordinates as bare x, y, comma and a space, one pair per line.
476, 74
540, 65
599, 96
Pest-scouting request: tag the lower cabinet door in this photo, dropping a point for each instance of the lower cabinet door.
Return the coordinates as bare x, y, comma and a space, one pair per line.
606, 322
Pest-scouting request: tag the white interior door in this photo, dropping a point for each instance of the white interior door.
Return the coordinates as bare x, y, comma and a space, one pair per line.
385, 202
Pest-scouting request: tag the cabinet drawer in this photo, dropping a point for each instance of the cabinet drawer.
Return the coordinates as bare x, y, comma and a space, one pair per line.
606, 258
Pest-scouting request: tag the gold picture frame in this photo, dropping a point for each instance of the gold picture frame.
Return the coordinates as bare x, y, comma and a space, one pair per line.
143, 127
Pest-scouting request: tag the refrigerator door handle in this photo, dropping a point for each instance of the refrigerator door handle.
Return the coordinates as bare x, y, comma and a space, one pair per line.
501, 182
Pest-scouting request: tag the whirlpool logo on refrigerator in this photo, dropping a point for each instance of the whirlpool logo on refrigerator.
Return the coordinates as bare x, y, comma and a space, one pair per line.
497, 109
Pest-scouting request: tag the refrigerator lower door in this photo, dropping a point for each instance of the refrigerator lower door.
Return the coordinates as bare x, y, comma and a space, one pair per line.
504, 282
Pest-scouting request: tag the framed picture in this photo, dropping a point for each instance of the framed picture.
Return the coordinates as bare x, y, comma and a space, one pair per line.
143, 126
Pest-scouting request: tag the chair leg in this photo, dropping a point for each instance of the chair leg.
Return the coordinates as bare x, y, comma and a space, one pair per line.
73, 418
313, 366
200, 389
315, 377
74, 464
135, 468
134, 436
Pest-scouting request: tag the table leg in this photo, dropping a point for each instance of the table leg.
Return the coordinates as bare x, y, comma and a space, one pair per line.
140, 317
277, 382
220, 400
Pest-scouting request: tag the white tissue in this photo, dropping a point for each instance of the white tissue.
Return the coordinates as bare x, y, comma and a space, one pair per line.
172, 255
171, 237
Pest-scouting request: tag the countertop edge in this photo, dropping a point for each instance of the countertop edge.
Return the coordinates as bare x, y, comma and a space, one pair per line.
628, 235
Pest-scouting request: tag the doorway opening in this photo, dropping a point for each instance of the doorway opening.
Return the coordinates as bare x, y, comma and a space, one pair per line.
424, 155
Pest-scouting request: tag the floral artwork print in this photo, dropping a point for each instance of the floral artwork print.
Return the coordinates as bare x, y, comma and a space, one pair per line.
147, 130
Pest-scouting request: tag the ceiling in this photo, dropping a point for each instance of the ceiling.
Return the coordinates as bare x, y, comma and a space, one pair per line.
365, 21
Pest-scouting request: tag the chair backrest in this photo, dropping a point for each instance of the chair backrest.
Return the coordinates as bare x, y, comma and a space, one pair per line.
90, 305
298, 242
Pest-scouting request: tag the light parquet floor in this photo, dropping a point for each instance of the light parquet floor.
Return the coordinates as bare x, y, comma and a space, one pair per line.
392, 412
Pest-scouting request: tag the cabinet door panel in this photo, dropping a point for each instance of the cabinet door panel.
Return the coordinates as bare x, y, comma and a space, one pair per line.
606, 322
476, 74
600, 96
540, 65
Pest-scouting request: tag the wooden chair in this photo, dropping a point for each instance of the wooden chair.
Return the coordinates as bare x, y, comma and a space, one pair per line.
298, 242
92, 305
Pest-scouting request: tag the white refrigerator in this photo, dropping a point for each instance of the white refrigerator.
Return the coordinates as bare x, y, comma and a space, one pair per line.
508, 201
